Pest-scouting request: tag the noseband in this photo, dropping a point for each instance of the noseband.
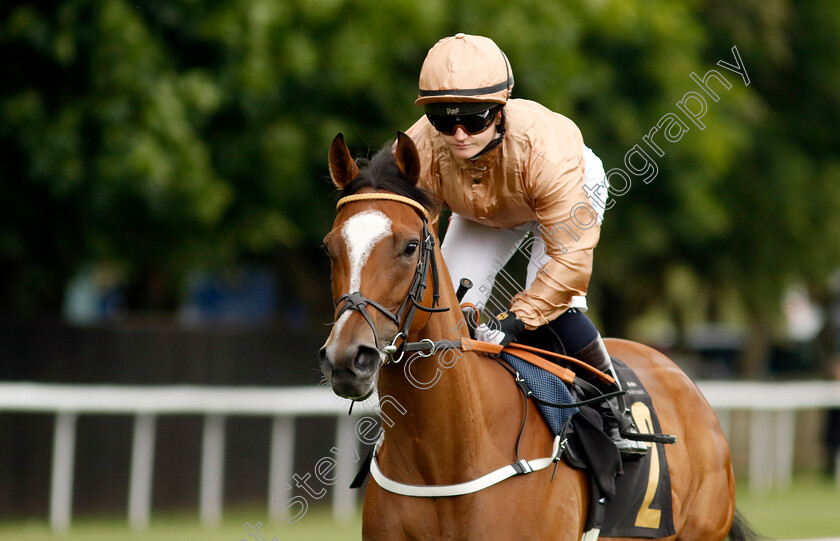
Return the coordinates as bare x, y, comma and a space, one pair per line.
410, 304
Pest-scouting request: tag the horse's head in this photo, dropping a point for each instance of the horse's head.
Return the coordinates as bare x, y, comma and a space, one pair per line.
380, 250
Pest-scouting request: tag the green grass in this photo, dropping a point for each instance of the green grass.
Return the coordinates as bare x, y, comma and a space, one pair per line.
316, 525
811, 508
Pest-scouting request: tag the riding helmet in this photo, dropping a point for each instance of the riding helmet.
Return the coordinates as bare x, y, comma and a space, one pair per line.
467, 69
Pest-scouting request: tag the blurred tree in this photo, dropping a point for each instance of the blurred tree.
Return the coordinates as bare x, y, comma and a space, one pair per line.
783, 192
168, 135
164, 136
105, 157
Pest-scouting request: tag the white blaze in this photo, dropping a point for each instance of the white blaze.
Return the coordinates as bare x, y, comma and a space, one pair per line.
361, 232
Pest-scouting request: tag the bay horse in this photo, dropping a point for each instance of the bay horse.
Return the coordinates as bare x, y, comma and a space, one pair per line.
461, 412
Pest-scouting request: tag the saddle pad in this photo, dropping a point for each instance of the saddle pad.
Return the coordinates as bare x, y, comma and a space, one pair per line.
544, 386
642, 505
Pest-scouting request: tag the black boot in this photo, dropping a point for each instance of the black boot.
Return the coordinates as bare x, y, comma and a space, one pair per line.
617, 427
617, 418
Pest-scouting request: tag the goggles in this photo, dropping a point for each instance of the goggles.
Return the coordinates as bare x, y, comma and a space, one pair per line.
471, 123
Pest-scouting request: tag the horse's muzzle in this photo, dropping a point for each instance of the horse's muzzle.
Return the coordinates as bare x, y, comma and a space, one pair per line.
352, 373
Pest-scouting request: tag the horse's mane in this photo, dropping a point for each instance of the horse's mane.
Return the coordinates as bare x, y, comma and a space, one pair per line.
381, 173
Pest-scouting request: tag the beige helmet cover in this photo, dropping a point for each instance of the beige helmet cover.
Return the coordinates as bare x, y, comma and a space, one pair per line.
465, 68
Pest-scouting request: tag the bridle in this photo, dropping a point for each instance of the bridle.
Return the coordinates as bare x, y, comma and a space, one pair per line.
404, 315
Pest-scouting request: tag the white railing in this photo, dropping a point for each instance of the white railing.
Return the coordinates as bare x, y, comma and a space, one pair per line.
771, 433
772, 425
146, 403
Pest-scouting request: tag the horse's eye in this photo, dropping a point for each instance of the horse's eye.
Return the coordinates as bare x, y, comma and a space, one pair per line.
410, 248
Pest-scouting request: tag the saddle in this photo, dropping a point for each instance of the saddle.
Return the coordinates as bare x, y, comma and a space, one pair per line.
626, 500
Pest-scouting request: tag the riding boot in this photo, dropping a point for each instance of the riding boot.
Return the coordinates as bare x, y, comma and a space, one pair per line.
616, 414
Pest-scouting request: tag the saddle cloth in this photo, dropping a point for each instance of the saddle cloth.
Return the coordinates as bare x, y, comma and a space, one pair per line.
545, 386
626, 500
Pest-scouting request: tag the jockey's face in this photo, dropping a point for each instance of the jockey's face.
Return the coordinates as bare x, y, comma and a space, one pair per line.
464, 146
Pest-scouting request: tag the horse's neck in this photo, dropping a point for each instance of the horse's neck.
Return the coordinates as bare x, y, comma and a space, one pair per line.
438, 406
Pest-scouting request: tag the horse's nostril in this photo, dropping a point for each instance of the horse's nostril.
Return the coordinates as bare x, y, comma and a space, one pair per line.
324, 362
366, 360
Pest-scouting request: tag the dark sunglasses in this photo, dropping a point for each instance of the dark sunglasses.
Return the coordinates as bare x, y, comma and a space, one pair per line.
473, 123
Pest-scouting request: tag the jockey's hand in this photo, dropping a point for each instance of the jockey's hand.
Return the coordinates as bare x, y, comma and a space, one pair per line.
502, 330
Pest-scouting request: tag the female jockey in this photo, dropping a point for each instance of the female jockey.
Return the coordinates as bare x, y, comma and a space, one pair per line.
506, 167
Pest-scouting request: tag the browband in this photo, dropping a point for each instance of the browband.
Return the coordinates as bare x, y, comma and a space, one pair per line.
387, 196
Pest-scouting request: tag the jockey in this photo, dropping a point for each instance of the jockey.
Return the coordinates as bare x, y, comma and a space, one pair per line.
506, 167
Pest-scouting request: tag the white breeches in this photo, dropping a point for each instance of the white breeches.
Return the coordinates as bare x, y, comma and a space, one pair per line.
479, 252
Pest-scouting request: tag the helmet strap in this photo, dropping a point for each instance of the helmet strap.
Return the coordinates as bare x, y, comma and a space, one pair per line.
496, 140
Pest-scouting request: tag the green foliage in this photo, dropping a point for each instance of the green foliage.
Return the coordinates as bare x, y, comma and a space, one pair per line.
163, 136
170, 135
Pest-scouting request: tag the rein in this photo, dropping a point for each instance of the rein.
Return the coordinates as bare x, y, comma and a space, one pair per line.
404, 315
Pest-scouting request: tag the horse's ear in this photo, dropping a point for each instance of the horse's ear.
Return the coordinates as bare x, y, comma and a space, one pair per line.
343, 168
408, 160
